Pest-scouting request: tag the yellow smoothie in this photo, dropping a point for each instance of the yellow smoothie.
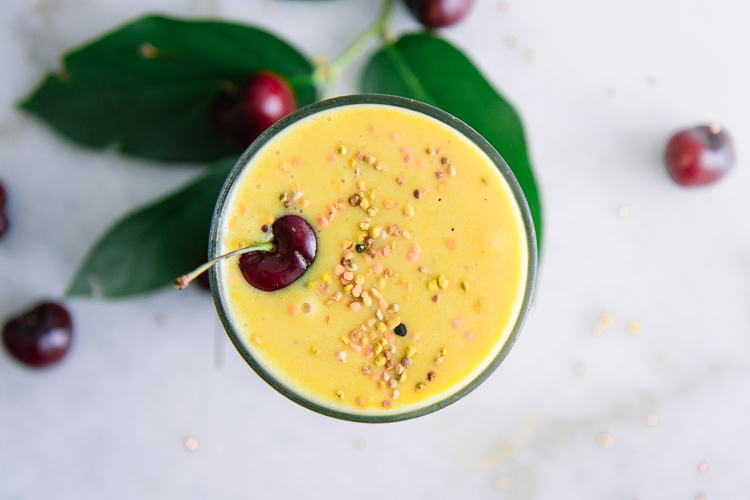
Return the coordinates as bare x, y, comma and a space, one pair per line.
421, 267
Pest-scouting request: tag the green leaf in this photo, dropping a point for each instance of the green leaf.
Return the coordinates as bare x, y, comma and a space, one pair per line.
152, 246
428, 69
147, 87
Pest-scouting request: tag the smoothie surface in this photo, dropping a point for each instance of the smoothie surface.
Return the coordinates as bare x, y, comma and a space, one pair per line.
421, 264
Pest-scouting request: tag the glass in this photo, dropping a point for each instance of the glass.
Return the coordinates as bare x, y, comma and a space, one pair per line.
408, 104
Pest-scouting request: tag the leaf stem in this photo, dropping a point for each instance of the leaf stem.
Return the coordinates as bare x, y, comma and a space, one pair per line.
328, 74
183, 281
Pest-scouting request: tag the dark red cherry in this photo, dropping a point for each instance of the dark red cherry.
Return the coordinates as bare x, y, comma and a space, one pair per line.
242, 114
3, 217
39, 337
294, 247
700, 155
439, 13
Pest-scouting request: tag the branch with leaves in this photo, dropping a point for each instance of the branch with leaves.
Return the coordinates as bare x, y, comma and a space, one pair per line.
147, 88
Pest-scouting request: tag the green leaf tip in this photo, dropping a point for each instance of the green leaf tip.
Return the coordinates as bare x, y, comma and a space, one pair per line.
153, 245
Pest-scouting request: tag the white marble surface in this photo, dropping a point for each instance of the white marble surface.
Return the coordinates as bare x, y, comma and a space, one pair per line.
610, 82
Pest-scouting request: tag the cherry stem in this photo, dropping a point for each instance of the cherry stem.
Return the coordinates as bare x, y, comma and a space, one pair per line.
183, 281
330, 73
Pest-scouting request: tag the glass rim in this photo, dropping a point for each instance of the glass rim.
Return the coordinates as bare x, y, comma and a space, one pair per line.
452, 122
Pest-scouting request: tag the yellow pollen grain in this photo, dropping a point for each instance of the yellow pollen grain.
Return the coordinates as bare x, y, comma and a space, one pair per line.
443, 282
602, 324
191, 444
480, 305
499, 483
634, 328
605, 440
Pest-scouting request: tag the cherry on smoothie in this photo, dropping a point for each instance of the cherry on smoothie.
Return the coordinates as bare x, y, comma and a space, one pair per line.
242, 114
40, 336
700, 155
3, 217
439, 13
294, 247
272, 265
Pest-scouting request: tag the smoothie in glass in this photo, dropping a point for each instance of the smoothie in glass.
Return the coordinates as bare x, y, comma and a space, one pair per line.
425, 260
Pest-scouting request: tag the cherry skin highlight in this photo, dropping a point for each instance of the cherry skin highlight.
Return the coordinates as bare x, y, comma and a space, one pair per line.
40, 336
294, 247
439, 13
699, 156
242, 114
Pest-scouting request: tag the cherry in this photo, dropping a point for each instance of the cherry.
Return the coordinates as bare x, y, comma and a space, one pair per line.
3, 218
242, 114
439, 13
273, 265
39, 337
699, 156
293, 252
